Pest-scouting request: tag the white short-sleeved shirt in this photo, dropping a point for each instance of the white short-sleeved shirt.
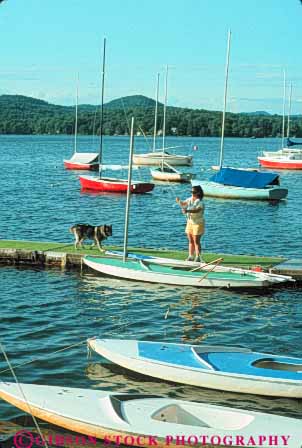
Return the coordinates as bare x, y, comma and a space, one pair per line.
195, 218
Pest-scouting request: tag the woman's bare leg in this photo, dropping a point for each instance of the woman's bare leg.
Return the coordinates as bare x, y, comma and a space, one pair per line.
196, 243
191, 244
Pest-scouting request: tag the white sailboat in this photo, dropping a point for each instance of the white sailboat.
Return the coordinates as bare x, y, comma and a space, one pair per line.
233, 183
160, 157
81, 160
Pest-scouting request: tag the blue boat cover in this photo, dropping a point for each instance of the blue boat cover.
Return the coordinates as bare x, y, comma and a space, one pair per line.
243, 178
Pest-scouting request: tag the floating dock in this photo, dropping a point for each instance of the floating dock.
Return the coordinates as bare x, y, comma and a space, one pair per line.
47, 254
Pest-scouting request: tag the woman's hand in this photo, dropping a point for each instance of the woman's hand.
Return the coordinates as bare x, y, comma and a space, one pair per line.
177, 200
184, 210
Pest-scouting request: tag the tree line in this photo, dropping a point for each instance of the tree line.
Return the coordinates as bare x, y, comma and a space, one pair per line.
23, 115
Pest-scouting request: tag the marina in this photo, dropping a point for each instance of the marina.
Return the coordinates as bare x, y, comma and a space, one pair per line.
59, 302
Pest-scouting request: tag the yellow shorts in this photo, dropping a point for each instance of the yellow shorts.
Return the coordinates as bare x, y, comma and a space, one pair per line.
195, 229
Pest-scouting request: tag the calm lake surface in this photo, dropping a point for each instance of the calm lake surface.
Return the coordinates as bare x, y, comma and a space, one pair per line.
43, 311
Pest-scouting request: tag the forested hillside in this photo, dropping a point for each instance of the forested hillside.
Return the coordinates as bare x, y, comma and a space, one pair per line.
25, 115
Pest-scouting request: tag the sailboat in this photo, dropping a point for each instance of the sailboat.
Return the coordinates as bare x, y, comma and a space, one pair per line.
233, 183
152, 272
287, 157
166, 172
109, 184
161, 157
81, 160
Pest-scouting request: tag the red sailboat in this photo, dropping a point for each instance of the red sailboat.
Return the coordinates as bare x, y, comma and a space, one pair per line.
291, 161
107, 184
285, 158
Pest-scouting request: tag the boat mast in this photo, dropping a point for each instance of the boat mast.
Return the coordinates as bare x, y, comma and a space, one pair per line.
156, 110
165, 107
102, 109
289, 108
76, 116
225, 99
128, 191
284, 97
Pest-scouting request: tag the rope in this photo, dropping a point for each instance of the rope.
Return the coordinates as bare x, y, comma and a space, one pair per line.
23, 395
40, 358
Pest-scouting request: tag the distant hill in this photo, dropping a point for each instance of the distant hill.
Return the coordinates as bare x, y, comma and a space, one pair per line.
258, 112
25, 115
27, 103
131, 102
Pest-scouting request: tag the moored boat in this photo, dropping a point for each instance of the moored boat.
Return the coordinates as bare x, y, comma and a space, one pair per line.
82, 161
214, 367
113, 185
170, 174
146, 271
107, 184
158, 157
231, 183
286, 158
213, 266
290, 161
138, 420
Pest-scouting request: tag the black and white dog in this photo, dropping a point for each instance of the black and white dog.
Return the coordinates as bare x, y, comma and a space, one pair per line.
87, 232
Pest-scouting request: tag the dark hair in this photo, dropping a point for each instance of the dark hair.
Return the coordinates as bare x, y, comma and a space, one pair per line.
198, 191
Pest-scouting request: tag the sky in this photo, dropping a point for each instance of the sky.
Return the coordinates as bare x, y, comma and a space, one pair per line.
46, 44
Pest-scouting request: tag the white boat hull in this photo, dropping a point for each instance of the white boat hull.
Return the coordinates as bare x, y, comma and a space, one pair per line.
199, 280
136, 419
166, 176
157, 158
126, 354
273, 278
216, 190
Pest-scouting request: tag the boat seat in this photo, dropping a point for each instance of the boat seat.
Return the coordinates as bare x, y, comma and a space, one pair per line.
270, 363
256, 364
144, 264
176, 414
118, 400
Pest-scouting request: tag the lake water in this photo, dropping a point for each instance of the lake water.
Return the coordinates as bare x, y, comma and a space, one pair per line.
43, 311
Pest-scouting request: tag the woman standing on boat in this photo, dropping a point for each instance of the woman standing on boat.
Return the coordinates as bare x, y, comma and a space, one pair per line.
193, 207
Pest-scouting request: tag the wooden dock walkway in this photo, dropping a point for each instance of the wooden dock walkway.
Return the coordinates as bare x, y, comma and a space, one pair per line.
44, 254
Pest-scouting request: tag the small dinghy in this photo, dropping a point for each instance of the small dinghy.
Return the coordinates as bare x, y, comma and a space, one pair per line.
147, 271
213, 266
138, 420
167, 173
214, 367
83, 161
